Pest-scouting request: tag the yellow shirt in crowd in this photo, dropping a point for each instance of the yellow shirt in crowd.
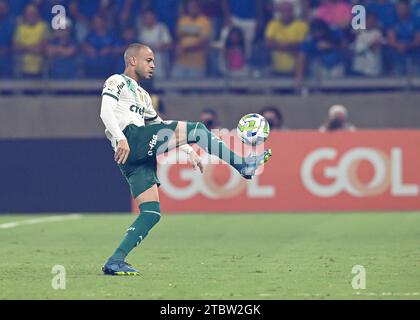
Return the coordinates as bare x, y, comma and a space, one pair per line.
291, 33
28, 35
189, 31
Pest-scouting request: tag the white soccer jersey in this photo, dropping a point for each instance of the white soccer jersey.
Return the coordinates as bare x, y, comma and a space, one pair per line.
133, 105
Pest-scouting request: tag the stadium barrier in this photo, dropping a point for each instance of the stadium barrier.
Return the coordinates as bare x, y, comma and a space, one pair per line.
309, 171
266, 84
60, 175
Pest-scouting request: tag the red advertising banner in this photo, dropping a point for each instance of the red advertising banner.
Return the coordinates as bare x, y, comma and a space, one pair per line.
309, 171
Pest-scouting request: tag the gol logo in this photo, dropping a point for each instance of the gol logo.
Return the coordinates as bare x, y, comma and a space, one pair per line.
388, 172
205, 184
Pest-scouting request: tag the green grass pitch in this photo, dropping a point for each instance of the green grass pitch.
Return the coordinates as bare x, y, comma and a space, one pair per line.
217, 256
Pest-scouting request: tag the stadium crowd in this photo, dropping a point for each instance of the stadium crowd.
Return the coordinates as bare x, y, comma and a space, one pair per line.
211, 38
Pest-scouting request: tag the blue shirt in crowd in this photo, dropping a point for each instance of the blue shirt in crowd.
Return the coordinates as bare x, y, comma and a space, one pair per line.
328, 58
63, 67
100, 42
405, 31
167, 12
88, 8
416, 12
16, 7
7, 28
244, 9
99, 66
386, 13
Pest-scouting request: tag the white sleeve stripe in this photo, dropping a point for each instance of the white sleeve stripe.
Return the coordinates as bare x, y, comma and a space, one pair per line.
158, 213
195, 129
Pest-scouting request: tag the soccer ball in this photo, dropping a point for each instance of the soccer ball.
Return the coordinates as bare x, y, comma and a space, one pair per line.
253, 129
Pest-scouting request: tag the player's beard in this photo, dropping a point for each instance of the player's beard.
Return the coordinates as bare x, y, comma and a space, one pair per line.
142, 75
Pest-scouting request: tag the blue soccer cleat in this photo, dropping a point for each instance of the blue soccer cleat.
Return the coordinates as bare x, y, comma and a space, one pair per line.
119, 268
252, 163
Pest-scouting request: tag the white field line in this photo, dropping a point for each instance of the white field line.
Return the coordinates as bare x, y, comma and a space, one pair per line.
384, 294
366, 294
14, 224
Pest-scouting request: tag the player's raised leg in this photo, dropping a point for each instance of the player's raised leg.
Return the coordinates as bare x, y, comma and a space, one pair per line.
149, 205
197, 132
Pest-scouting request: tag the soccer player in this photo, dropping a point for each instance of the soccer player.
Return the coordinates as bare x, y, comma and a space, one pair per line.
138, 135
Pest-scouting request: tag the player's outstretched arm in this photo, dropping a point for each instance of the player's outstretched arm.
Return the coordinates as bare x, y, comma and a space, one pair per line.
111, 124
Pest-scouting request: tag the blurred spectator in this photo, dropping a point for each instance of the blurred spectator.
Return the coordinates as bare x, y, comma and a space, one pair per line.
210, 118
307, 8
260, 60
124, 10
7, 27
367, 48
284, 37
384, 11
29, 42
16, 7
337, 120
82, 12
274, 117
322, 49
404, 38
339, 50
214, 11
166, 12
234, 54
193, 34
336, 13
61, 53
245, 14
128, 36
416, 11
119, 14
156, 35
98, 50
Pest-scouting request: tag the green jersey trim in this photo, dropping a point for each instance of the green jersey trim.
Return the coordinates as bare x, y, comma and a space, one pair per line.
151, 119
111, 95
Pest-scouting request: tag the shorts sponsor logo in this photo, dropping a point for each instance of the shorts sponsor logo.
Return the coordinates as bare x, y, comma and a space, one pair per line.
345, 175
152, 144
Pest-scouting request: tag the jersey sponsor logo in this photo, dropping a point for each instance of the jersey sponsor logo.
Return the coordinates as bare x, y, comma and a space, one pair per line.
152, 144
119, 87
137, 109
